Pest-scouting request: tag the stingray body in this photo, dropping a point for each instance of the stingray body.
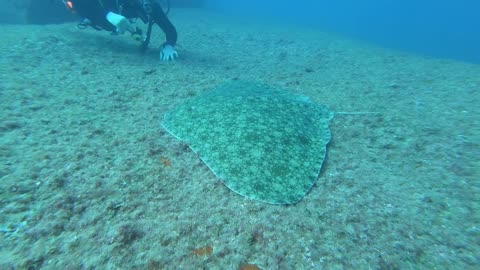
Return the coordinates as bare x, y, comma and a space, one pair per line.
263, 143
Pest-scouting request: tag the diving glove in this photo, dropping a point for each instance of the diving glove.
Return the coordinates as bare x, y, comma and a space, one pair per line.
168, 53
120, 22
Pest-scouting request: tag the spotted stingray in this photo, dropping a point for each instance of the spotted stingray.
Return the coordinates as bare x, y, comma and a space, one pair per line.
263, 143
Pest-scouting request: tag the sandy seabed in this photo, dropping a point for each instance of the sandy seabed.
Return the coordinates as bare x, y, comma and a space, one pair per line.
90, 180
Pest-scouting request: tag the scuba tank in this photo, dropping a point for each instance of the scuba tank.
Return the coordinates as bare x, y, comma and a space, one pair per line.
137, 35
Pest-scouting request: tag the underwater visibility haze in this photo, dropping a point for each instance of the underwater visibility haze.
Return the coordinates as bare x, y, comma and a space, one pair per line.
247, 135
442, 28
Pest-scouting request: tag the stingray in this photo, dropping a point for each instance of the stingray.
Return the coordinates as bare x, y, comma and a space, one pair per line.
265, 144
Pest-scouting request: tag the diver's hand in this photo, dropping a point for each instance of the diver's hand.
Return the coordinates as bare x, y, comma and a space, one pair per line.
168, 53
120, 22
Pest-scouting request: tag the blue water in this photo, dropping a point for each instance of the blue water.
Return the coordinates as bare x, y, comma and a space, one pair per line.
438, 28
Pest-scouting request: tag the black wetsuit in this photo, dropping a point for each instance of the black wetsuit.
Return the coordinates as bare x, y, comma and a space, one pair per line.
96, 11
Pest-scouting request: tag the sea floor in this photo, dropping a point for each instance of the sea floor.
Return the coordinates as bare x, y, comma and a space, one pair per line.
90, 180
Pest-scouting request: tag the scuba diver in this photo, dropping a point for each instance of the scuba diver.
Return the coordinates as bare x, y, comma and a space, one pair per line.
118, 16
